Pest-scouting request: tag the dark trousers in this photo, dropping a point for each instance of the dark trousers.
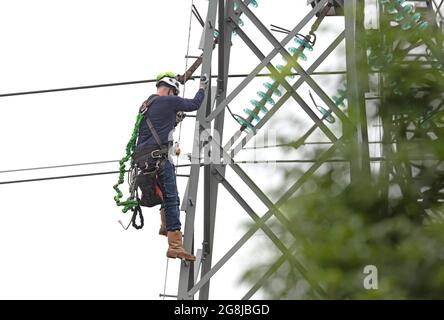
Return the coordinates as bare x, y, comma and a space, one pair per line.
171, 201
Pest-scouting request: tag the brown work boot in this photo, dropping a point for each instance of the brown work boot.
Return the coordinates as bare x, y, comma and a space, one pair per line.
163, 229
175, 249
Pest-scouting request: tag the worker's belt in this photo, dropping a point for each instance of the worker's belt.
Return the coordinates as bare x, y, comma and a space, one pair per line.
154, 152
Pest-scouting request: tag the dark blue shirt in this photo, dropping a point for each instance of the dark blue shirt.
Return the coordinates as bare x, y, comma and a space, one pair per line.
162, 114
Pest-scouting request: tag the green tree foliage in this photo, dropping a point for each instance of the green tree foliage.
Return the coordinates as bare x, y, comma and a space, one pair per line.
393, 221
340, 230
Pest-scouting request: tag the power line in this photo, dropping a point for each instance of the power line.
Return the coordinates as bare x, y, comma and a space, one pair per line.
60, 177
71, 165
76, 88
373, 159
291, 145
69, 177
2, 95
116, 161
60, 166
179, 175
178, 166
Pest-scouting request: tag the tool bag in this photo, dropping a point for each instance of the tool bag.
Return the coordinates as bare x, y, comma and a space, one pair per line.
151, 193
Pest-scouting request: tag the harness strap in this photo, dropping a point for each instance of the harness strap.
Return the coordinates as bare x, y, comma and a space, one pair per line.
149, 102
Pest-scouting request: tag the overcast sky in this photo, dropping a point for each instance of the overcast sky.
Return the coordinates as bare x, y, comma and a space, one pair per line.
60, 239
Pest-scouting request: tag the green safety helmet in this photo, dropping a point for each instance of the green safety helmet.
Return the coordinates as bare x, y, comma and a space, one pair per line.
169, 79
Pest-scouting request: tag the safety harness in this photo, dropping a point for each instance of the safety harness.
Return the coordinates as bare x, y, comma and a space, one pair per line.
162, 152
141, 174
148, 179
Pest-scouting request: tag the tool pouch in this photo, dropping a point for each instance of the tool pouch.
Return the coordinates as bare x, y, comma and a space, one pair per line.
148, 183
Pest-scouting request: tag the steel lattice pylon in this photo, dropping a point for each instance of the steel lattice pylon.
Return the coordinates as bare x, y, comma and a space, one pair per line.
225, 14
404, 132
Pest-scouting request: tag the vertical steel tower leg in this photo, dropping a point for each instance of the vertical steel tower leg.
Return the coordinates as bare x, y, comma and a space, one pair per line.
186, 278
210, 180
356, 83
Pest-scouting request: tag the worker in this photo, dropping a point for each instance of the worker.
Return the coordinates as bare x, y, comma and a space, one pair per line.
153, 148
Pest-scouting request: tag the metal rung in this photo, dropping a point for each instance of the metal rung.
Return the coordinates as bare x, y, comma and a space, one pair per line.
167, 295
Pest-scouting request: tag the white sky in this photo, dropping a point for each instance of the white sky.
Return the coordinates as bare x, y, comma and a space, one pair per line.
60, 239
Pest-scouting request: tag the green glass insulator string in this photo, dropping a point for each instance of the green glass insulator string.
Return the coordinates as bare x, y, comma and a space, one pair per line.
285, 71
241, 23
326, 114
273, 86
257, 105
270, 86
252, 114
304, 42
244, 123
301, 55
265, 97
405, 15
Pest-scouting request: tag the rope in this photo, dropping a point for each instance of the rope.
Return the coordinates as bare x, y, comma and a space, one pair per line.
165, 282
180, 125
186, 68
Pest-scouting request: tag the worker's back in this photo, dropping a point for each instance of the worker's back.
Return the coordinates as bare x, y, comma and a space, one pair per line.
162, 114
